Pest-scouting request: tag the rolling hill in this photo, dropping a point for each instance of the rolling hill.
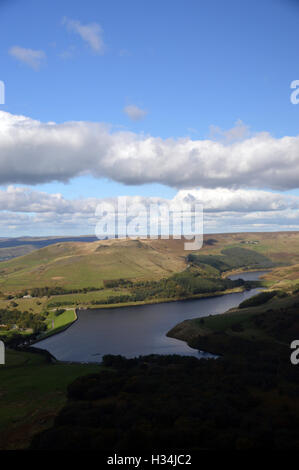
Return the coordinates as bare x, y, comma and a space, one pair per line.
14, 247
88, 264
81, 264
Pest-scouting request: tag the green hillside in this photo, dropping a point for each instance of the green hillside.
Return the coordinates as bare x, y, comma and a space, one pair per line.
78, 265
32, 391
84, 265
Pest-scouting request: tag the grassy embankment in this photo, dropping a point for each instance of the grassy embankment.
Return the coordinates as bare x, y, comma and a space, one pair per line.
56, 324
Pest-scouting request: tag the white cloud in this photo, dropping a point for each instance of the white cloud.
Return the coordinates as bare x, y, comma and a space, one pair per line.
134, 112
33, 152
91, 33
238, 200
224, 210
21, 199
30, 57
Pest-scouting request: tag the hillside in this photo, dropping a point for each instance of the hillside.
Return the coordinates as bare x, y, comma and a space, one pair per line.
247, 400
81, 264
88, 264
31, 398
270, 319
14, 247
260, 334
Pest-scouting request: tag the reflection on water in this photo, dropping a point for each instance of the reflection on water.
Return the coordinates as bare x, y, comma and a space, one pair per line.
134, 331
248, 276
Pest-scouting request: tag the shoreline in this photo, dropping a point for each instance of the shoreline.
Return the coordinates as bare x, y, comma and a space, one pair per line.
243, 270
163, 301
196, 348
132, 304
58, 330
141, 303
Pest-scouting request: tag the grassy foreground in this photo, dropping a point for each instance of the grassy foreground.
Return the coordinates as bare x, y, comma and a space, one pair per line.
32, 391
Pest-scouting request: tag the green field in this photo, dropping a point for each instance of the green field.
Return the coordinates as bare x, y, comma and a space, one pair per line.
84, 299
79, 265
55, 324
32, 391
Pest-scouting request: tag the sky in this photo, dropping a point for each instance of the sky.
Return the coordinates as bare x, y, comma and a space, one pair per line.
172, 101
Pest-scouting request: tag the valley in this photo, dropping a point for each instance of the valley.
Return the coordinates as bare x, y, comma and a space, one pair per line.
41, 291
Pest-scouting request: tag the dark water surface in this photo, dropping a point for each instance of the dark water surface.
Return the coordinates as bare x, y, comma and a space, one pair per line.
248, 276
134, 331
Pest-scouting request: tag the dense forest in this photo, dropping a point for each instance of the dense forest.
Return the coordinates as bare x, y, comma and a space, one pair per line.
176, 403
246, 398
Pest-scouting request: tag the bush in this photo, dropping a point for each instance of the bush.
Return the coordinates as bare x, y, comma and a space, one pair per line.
59, 311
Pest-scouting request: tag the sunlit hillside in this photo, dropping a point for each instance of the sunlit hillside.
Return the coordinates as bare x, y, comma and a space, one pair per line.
75, 264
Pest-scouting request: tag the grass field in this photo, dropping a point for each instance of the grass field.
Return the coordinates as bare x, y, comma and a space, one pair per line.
87, 264
30, 305
42, 304
286, 278
85, 299
79, 265
32, 391
55, 324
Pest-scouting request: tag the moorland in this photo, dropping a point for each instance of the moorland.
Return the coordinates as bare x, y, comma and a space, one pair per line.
41, 290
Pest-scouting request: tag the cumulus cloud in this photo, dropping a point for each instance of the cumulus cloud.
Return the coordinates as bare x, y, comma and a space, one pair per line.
239, 200
30, 57
34, 152
18, 199
21, 199
91, 33
224, 210
134, 112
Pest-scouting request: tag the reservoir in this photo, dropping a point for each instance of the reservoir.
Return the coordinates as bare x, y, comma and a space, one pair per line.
248, 275
139, 330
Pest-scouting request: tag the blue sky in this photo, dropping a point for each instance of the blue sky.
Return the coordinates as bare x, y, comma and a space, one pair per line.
190, 64
186, 65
